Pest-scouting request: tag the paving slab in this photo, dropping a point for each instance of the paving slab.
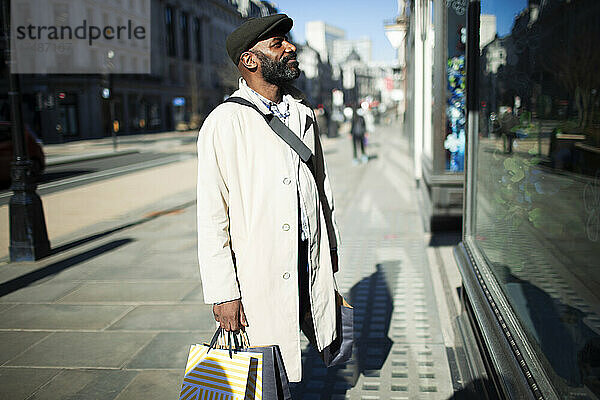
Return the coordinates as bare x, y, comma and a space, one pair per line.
85, 384
176, 317
4, 307
196, 295
399, 349
127, 292
152, 269
21, 383
45, 292
61, 316
168, 350
84, 350
13, 343
153, 385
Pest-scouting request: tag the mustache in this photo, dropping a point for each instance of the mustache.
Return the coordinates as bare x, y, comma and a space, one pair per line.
291, 56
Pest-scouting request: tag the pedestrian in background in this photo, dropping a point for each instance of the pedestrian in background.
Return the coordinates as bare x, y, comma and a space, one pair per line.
358, 131
266, 226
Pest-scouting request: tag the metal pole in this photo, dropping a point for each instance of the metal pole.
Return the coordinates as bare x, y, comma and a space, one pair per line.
111, 107
28, 234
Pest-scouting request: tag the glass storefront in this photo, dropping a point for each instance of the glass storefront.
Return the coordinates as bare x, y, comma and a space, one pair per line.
534, 216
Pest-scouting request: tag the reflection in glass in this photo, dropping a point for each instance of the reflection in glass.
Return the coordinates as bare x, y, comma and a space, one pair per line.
537, 217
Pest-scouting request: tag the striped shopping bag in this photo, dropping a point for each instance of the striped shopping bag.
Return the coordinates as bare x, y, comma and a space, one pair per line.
217, 374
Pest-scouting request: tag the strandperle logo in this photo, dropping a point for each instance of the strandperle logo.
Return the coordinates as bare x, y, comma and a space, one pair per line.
83, 32
80, 37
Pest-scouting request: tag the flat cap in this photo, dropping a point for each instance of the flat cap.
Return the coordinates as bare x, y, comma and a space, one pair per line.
253, 31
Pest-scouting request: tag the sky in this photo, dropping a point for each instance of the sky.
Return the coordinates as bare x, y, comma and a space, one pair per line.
505, 12
359, 18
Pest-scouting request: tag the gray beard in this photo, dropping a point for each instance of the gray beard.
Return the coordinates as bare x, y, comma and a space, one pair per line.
277, 72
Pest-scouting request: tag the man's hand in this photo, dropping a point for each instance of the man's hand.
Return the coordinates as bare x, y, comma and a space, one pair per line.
230, 315
334, 261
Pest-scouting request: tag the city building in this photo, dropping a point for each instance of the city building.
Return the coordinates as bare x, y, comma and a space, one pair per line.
255, 8
320, 36
396, 32
316, 80
190, 73
487, 29
343, 47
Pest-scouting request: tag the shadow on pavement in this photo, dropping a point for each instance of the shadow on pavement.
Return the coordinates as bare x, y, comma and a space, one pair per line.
373, 305
27, 279
149, 217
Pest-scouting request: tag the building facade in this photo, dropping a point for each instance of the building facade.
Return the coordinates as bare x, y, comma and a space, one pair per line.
190, 74
343, 47
320, 36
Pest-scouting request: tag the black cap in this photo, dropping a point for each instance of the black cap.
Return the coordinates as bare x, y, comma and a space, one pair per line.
253, 31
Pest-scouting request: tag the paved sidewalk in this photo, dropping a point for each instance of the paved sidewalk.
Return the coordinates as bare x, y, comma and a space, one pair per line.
113, 317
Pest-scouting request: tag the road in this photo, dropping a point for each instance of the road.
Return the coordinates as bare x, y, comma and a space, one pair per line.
66, 176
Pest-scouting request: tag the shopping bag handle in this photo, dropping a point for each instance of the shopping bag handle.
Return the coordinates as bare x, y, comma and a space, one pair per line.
215, 337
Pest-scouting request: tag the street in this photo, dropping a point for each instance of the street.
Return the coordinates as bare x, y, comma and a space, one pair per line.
70, 175
112, 192
112, 312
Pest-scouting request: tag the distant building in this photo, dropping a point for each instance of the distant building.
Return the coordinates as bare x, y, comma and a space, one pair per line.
255, 8
487, 29
343, 47
316, 79
320, 36
494, 54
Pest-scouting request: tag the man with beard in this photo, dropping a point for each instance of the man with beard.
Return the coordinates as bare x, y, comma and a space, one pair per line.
267, 241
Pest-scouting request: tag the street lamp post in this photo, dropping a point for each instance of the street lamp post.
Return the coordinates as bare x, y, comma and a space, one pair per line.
28, 234
107, 94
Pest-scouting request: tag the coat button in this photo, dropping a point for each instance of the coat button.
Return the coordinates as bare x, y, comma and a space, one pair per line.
286, 181
286, 275
286, 227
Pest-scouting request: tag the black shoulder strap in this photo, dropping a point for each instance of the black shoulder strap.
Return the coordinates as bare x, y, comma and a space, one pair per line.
305, 155
280, 129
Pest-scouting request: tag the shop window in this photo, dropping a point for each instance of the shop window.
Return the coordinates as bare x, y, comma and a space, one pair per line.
198, 39
170, 31
535, 213
185, 35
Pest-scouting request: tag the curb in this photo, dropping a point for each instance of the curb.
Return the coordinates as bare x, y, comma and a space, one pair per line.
60, 160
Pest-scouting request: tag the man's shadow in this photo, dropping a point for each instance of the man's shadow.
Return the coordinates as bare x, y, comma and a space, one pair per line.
372, 301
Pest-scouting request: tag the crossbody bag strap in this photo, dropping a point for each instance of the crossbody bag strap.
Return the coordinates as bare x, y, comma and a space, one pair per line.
305, 154
280, 129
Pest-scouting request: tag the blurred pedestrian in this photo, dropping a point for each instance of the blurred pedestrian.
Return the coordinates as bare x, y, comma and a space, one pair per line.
508, 122
266, 227
358, 130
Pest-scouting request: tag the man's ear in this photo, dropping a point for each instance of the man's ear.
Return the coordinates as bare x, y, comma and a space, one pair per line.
249, 60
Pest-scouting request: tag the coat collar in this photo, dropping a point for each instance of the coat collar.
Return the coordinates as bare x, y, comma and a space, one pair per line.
290, 92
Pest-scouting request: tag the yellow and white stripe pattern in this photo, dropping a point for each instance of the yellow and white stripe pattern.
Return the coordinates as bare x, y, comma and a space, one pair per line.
215, 376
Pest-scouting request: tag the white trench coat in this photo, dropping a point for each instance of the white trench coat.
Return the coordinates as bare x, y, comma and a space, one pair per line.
248, 180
